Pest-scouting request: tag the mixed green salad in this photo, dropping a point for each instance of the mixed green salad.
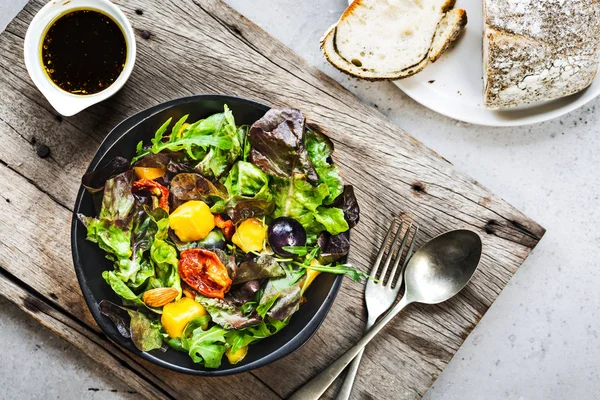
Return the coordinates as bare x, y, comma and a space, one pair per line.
217, 230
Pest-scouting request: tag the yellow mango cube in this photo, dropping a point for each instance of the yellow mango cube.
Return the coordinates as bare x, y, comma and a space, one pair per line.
250, 235
178, 314
238, 356
192, 221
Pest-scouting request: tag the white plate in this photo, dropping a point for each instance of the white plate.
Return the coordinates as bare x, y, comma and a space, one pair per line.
453, 85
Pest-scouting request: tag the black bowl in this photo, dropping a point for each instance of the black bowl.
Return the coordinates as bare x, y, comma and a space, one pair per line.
89, 259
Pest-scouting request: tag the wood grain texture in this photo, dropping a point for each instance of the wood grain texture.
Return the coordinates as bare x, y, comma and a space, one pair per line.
206, 47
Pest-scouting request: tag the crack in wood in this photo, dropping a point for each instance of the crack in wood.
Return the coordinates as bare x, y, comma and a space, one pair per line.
35, 184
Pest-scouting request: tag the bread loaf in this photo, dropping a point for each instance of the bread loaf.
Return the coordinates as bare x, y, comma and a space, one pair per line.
538, 49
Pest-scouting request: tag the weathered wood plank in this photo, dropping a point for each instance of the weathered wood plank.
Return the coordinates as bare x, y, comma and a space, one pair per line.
206, 47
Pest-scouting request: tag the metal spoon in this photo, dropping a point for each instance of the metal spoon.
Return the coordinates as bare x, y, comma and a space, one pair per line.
435, 273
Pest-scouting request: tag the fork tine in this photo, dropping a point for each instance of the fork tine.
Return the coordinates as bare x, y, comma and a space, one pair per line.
408, 255
382, 249
391, 254
399, 257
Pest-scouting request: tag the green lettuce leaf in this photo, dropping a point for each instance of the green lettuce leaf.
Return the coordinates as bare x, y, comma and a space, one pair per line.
298, 199
120, 287
109, 238
246, 179
320, 148
163, 254
332, 219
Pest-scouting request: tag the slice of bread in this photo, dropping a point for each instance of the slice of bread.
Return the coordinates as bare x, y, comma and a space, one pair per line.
391, 39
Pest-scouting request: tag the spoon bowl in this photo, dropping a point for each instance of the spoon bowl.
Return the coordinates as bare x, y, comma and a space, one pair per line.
441, 268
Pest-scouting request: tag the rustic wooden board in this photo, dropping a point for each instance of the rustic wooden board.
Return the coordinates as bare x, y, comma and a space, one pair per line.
206, 47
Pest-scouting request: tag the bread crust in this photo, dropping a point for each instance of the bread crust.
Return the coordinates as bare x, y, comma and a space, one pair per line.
456, 31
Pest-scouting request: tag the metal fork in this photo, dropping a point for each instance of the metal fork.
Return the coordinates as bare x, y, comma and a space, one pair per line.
381, 295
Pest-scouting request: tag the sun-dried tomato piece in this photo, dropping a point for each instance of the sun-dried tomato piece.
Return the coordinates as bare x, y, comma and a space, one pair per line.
203, 270
226, 225
156, 189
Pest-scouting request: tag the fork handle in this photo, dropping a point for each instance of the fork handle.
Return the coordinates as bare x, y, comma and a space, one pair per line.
314, 388
344, 393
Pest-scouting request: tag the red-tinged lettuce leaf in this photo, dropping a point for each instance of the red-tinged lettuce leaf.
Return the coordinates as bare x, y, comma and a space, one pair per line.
112, 229
244, 292
118, 315
348, 203
281, 297
145, 335
239, 209
333, 248
175, 167
287, 304
94, 181
118, 200
154, 161
226, 314
228, 261
277, 145
192, 186
258, 267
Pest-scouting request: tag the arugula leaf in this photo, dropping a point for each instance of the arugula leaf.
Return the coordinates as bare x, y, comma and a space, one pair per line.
226, 314
214, 142
207, 346
246, 336
340, 269
219, 159
300, 251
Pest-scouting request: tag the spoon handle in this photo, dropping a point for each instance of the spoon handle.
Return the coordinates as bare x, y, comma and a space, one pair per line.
314, 388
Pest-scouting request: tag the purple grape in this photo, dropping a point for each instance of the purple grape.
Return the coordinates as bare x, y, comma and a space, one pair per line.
283, 232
